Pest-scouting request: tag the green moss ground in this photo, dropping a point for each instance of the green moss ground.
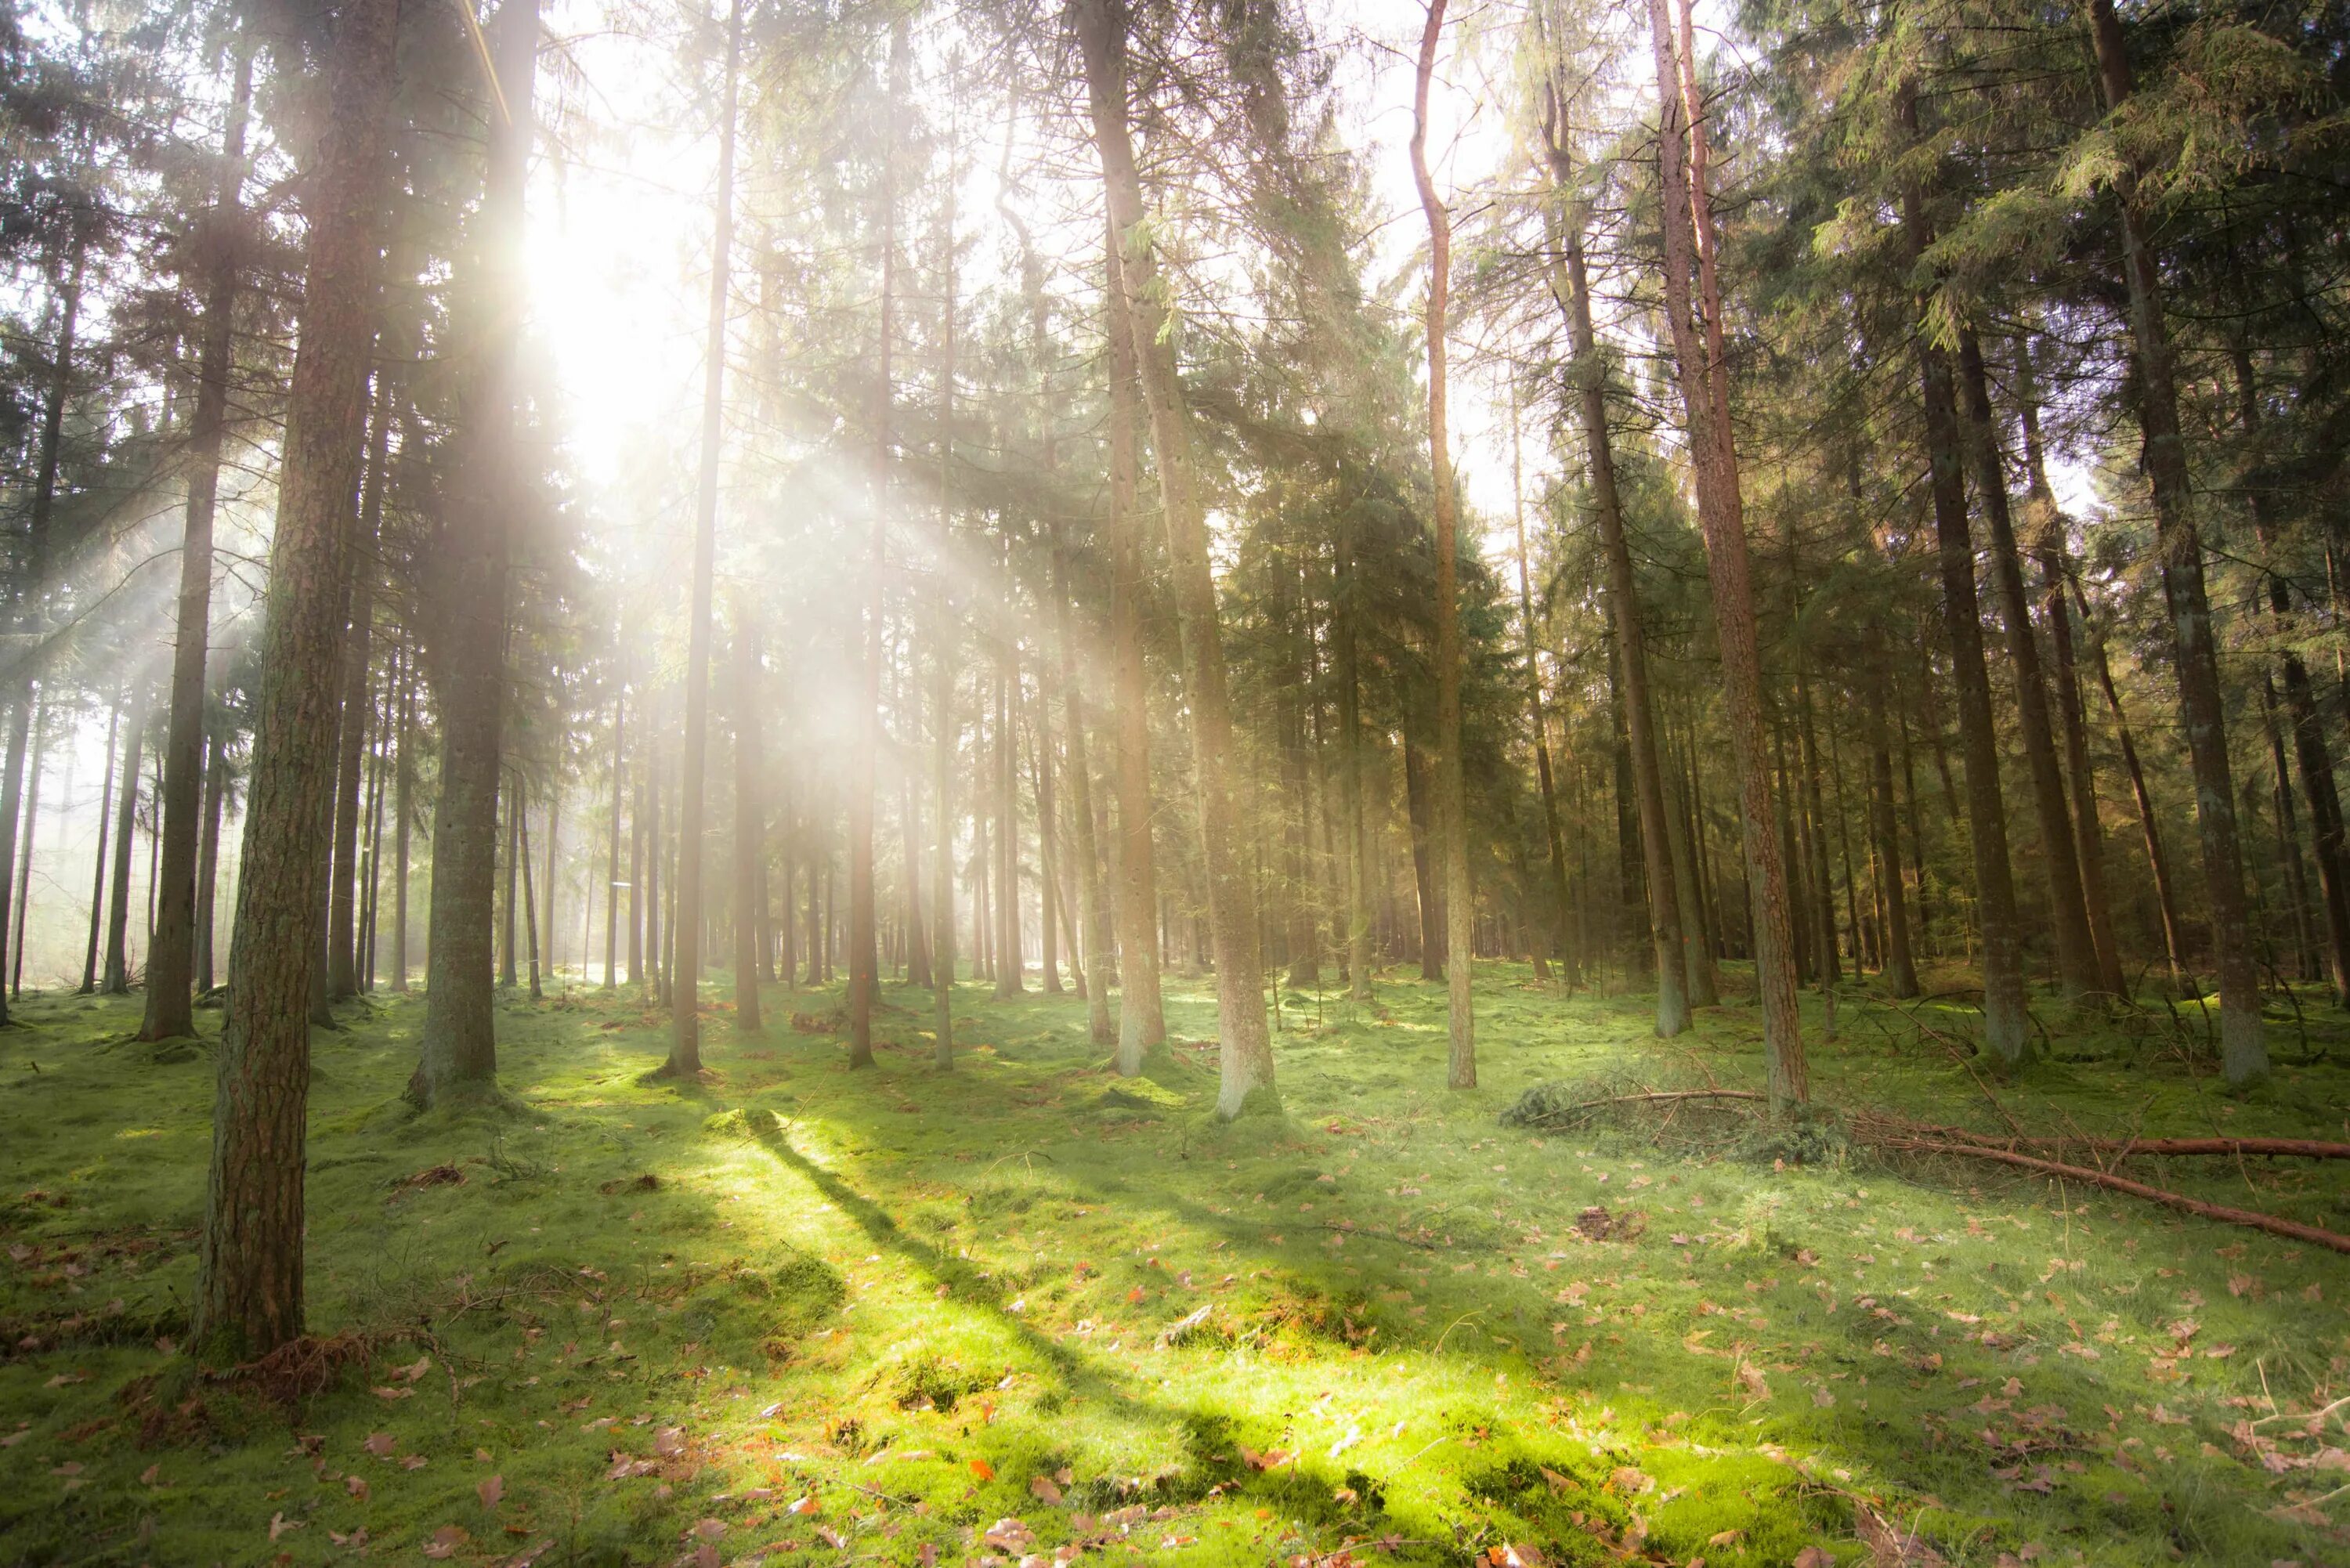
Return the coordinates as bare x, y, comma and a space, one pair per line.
798, 1310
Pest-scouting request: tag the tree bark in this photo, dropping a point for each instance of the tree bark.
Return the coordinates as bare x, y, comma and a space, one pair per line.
1245, 1047
1092, 915
116, 982
2310, 749
2243, 1052
248, 1297
1451, 790
2006, 1025
2174, 944
2047, 531
1665, 930
466, 653
32, 581
171, 961
685, 926
1900, 966
750, 821
864, 953
1142, 1020
342, 930
1704, 390
612, 853
404, 810
2076, 953
42, 724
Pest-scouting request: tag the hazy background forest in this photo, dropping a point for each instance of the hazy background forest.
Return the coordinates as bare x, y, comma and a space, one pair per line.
1231, 780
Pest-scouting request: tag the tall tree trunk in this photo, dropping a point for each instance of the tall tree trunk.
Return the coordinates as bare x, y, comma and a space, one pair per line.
521, 810
656, 975
43, 723
1048, 858
1011, 959
1346, 610
171, 961
2309, 745
2296, 883
1900, 966
942, 760
1420, 808
2243, 1053
1093, 916
466, 654
207, 858
685, 928
1141, 1021
116, 982
1570, 963
371, 865
342, 930
2047, 529
546, 918
509, 915
1815, 840
2174, 944
1451, 789
750, 821
910, 838
32, 583
404, 811
105, 837
1665, 929
1704, 388
864, 954
248, 1295
1245, 1047
2006, 1025
2076, 953
612, 853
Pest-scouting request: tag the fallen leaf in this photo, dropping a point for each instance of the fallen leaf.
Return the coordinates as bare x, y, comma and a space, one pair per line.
356, 1486
982, 1469
491, 1490
380, 1444
806, 1505
445, 1542
1042, 1489
279, 1524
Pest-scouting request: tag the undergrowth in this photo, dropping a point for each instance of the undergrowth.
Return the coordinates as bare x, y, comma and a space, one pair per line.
1036, 1307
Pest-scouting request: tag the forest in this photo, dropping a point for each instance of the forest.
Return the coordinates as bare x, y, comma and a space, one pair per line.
1300, 781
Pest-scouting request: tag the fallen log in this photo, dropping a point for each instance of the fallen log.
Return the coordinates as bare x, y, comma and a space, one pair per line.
2273, 1224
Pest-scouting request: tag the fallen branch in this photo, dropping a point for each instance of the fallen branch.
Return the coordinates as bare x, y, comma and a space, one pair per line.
2124, 1147
2271, 1223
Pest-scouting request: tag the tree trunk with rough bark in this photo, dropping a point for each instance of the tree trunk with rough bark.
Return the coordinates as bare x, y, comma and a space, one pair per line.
467, 646
750, 821
248, 1294
1665, 929
685, 926
2077, 952
1703, 377
2243, 1052
1451, 789
117, 980
171, 961
1245, 1046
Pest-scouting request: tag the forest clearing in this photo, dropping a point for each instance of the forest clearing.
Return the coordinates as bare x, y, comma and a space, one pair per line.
1039, 1310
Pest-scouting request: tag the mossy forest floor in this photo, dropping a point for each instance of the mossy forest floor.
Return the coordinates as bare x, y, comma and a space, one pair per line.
796, 1313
